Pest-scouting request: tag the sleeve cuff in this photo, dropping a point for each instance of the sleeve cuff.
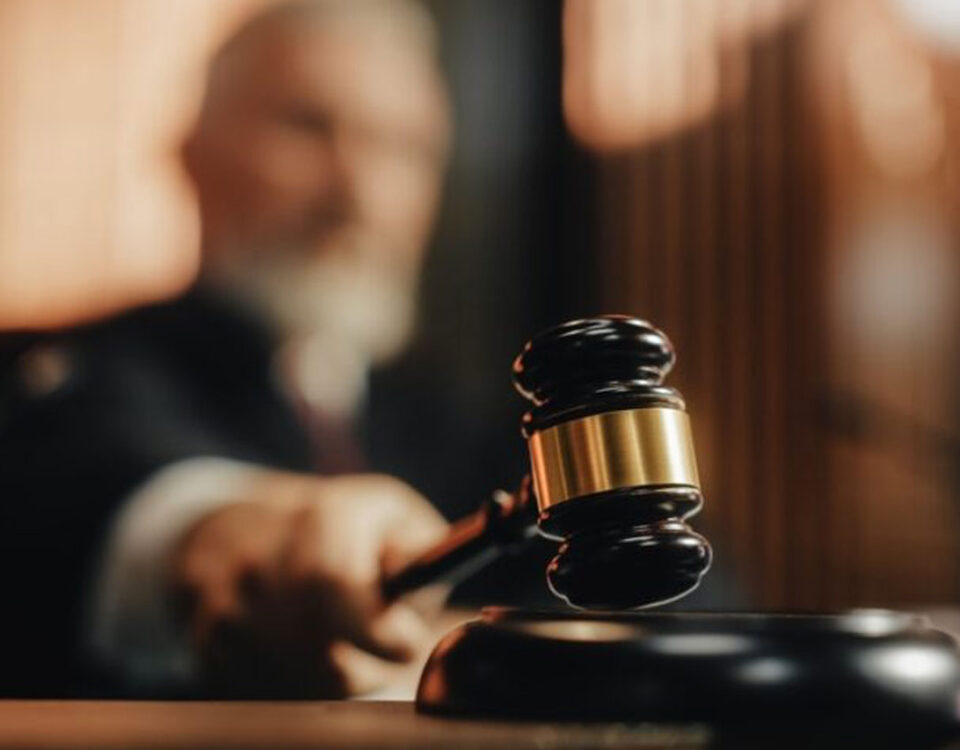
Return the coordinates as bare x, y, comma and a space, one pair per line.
131, 630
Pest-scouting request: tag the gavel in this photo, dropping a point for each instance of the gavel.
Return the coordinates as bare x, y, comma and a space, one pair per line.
613, 478
613, 475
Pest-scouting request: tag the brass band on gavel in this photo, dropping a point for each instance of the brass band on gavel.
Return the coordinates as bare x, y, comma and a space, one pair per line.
628, 448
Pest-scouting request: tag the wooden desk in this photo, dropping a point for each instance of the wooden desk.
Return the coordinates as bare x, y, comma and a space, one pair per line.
349, 725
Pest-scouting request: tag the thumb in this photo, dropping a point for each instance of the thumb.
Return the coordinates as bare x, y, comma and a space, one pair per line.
418, 528
397, 634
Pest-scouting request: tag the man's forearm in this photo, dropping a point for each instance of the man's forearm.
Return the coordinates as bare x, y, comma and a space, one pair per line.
132, 630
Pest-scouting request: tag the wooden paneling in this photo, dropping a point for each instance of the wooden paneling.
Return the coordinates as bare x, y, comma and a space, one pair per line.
810, 286
713, 235
322, 725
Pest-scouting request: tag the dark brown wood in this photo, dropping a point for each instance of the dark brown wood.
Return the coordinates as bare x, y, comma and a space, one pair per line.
355, 725
860, 679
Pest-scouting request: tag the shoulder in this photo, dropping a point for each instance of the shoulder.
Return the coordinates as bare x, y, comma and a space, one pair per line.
195, 330
159, 339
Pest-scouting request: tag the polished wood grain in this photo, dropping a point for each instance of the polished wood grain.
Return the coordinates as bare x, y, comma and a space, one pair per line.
59, 725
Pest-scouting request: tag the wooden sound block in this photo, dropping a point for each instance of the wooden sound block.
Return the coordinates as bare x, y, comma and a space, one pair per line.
873, 672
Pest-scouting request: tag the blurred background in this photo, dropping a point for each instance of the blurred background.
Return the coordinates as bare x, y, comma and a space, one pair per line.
774, 183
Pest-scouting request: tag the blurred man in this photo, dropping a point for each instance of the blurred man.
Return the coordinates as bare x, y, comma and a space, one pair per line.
183, 502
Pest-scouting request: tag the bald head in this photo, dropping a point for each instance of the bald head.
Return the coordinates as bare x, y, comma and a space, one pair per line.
318, 114
389, 28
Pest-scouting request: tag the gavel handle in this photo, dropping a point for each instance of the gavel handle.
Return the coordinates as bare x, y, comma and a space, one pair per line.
503, 522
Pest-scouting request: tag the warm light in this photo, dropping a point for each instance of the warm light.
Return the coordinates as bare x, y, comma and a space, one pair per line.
590, 631
900, 117
768, 670
702, 644
636, 70
95, 212
896, 281
937, 20
909, 665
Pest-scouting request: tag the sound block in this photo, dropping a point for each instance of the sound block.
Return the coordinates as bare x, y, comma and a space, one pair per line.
883, 670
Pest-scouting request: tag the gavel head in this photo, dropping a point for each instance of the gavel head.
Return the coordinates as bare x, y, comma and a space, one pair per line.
612, 461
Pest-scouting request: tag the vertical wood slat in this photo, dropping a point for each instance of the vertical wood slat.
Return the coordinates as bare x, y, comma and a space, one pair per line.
703, 394
713, 258
732, 246
770, 426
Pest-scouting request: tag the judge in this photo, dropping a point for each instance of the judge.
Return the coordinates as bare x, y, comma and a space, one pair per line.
184, 508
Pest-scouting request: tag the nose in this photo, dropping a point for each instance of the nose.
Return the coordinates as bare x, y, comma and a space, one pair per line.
336, 184
361, 169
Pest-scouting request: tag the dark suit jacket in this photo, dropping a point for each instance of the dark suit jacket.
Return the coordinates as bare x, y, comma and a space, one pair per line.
85, 415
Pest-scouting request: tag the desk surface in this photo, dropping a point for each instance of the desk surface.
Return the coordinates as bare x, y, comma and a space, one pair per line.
350, 725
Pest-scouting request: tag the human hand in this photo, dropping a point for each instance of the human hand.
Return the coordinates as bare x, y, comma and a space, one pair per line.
281, 589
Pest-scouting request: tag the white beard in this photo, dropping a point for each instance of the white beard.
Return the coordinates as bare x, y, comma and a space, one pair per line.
337, 313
